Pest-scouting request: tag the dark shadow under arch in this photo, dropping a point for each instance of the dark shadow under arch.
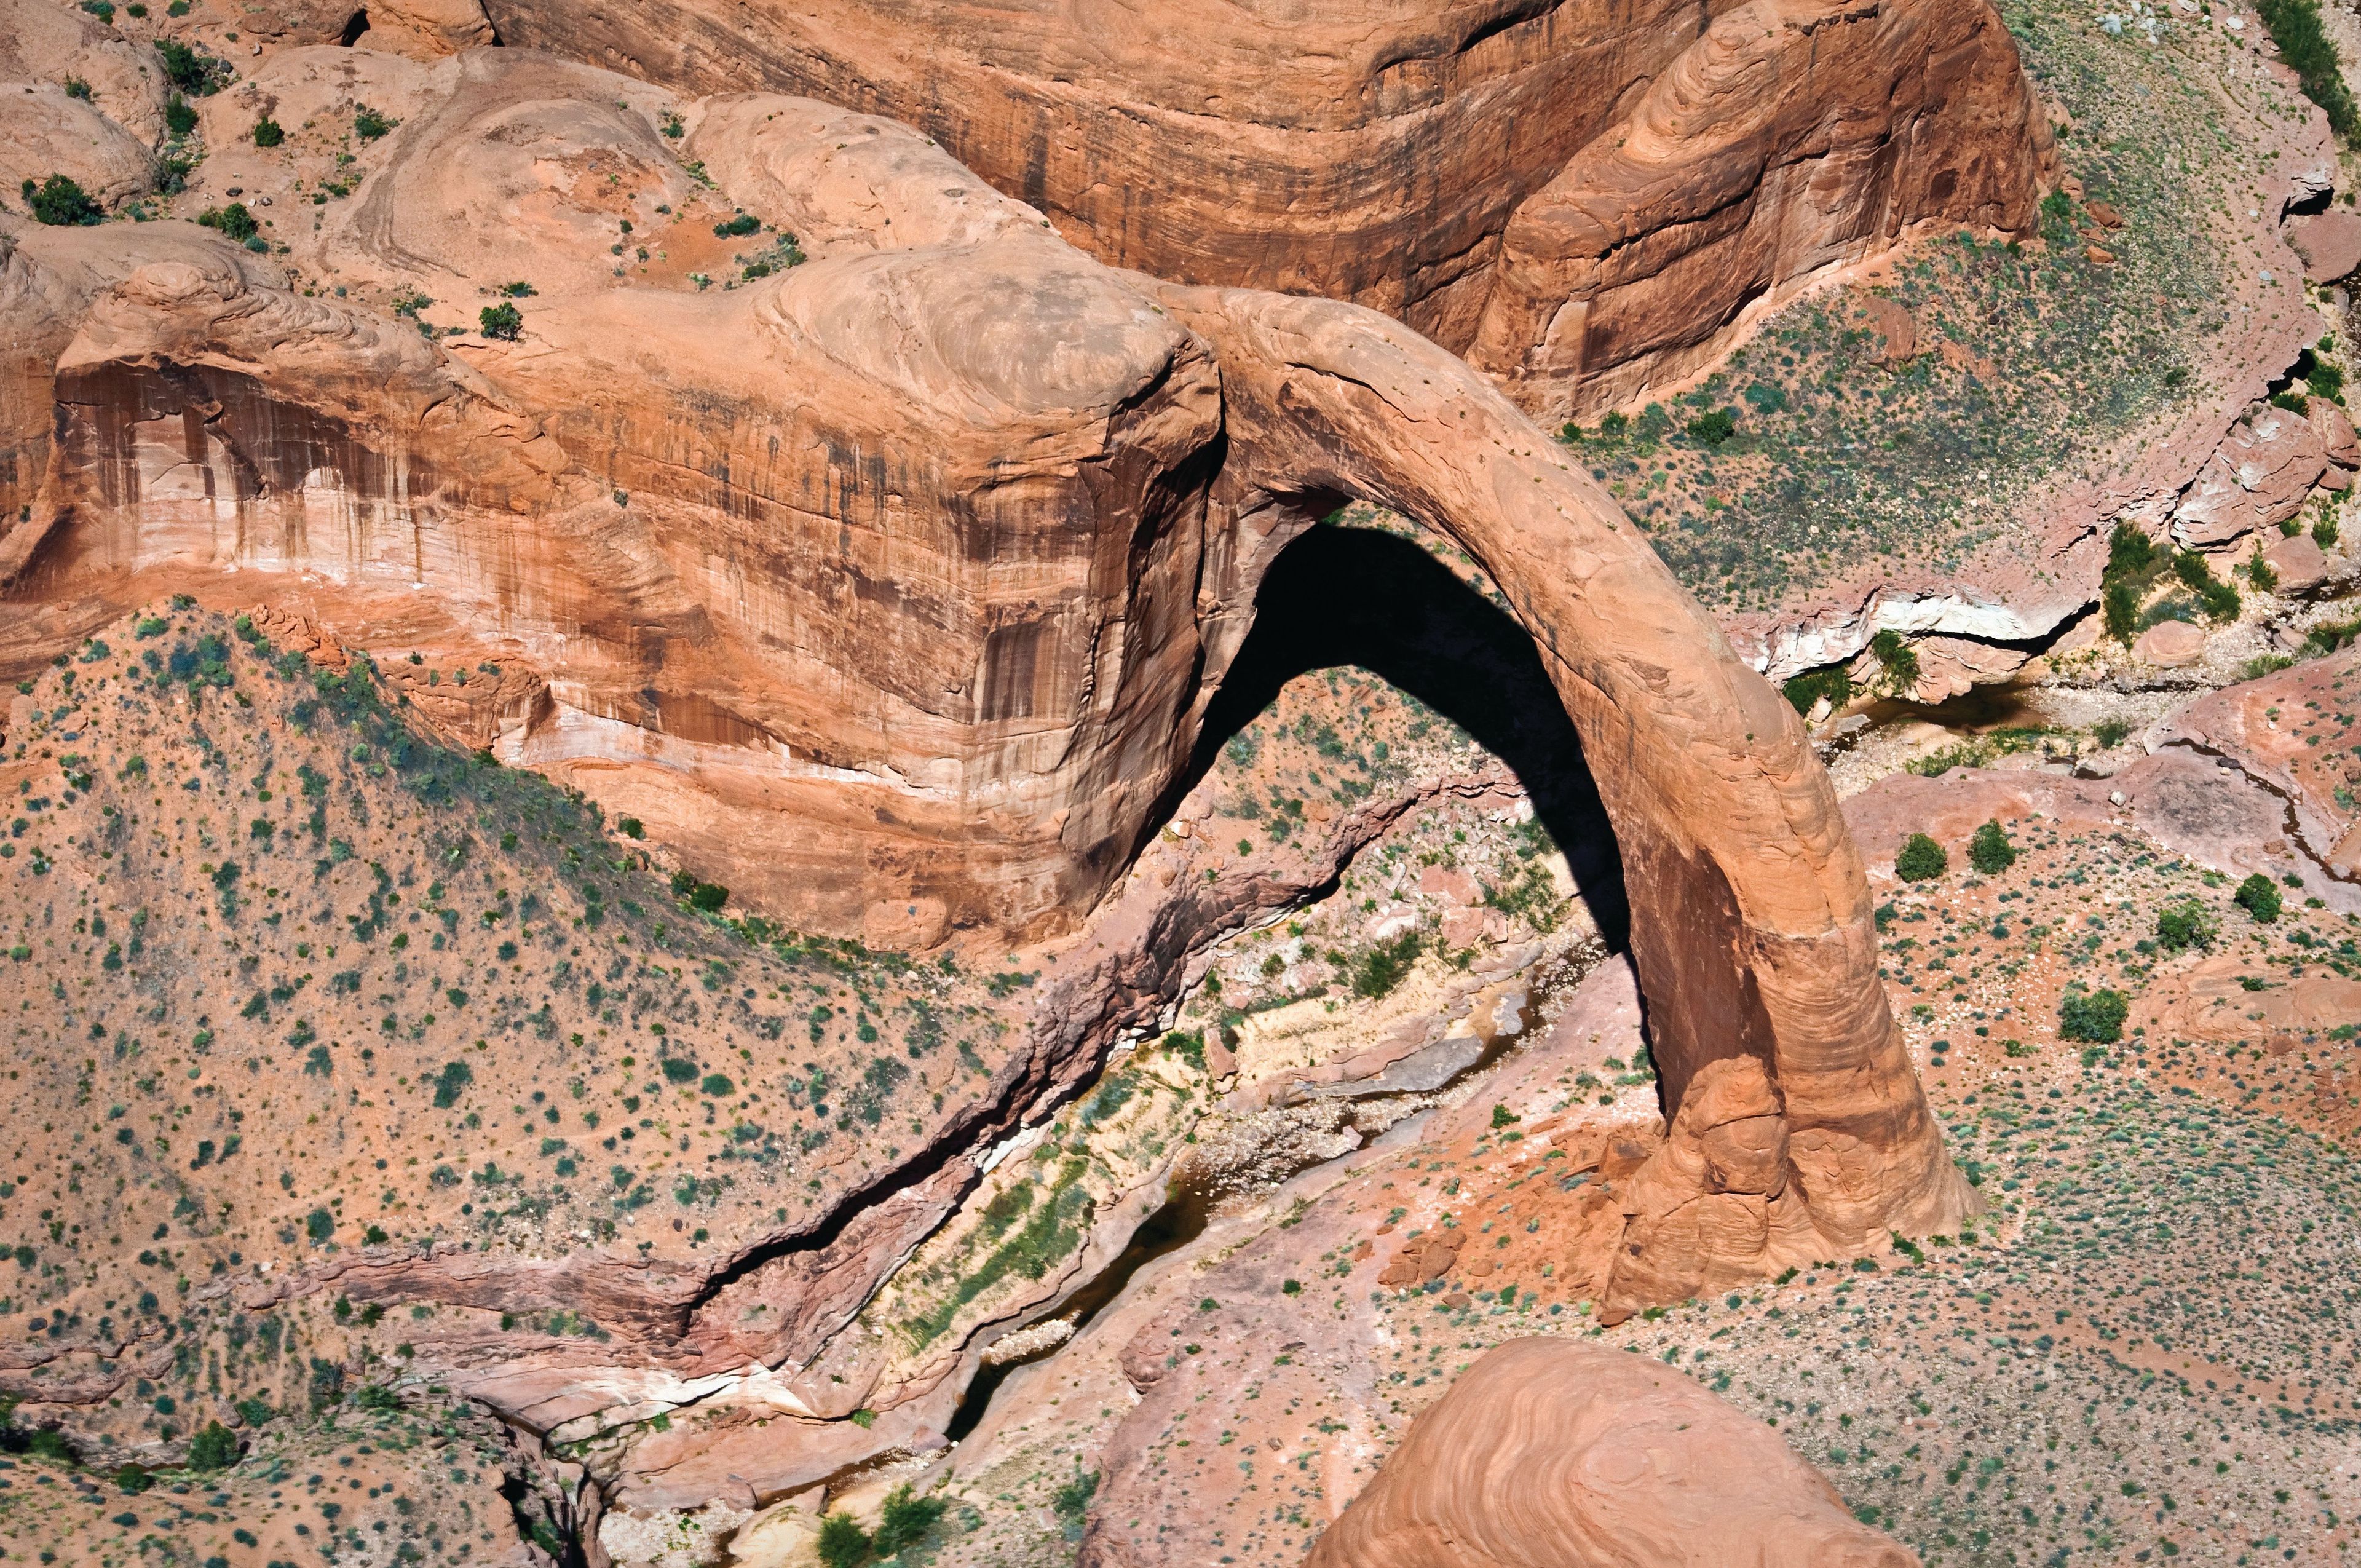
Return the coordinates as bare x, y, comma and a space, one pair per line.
355, 25
1362, 595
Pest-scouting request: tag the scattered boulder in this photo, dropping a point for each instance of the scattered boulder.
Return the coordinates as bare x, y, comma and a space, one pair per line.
1897, 332
2329, 244
2298, 562
2170, 644
1609, 1459
2262, 472
2335, 428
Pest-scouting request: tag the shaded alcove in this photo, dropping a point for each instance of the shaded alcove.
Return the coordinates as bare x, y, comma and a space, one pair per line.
1353, 595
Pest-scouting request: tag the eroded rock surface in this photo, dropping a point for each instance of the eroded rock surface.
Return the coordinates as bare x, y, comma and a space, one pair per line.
1579, 197
1547, 1452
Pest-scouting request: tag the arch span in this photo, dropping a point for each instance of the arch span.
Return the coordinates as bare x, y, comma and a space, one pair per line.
1365, 597
1750, 926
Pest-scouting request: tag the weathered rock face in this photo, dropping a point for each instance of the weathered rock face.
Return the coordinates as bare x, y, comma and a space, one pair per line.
885, 617
1580, 196
1608, 1459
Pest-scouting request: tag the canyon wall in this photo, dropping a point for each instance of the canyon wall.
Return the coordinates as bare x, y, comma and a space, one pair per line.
888, 616
1580, 197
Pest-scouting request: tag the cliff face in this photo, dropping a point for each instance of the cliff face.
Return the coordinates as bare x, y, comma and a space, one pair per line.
881, 562
1580, 196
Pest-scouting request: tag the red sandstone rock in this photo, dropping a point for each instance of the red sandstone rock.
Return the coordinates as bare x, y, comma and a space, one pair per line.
1548, 1451
2262, 472
2329, 244
2170, 644
885, 617
1897, 334
2298, 561
1582, 198
2335, 428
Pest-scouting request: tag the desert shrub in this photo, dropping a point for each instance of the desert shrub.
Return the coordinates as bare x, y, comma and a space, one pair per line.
2324, 529
191, 70
60, 202
678, 1069
1806, 690
503, 322
368, 124
1713, 427
2259, 571
2258, 895
1766, 397
737, 227
233, 222
2220, 599
2119, 610
268, 132
2304, 45
842, 1542
180, 118
1898, 659
214, 1448
1384, 966
1921, 859
2093, 1015
2186, 924
2129, 550
1990, 851
451, 1082
905, 1518
2110, 733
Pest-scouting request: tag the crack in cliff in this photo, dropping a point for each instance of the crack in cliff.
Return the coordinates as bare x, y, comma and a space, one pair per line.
2293, 817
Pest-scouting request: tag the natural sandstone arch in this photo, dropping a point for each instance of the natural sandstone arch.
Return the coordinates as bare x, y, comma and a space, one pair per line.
1751, 917
915, 594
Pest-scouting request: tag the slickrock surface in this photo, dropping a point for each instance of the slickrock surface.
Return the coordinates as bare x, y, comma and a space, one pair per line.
888, 622
1551, 1452
1580, 196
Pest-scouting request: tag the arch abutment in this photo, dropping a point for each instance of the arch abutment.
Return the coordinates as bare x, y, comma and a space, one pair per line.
1751, 920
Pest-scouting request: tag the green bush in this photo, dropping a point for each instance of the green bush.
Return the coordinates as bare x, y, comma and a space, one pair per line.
368, 124
904, 1519
678, 1069
2304, 45
1899, 658
233, 222
842, 1542
2119, 608
1806, 690
214, 1448
737, 227
1713, 427
60, 202
2187, 925
503, 322
451, 1082
2129, 550
2110, 733
1384, 966
2324, 529
268, 132
191, 70
1921, 859
2258, 895
2221, 600
2259, 572
2093, 1015
1990, 851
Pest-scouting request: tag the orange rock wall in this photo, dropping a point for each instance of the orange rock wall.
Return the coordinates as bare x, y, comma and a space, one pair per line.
1582, 196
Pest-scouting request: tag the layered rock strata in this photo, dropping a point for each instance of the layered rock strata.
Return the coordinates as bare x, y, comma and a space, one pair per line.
1582, 198
881, 561
1607, 1459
